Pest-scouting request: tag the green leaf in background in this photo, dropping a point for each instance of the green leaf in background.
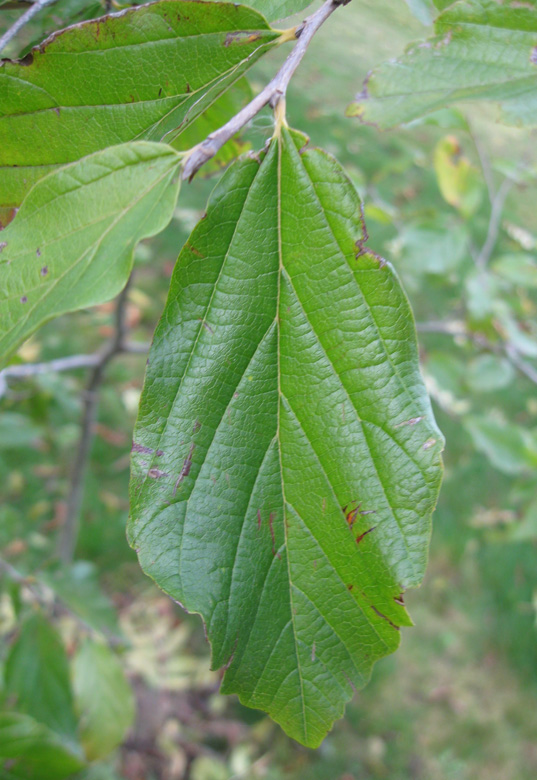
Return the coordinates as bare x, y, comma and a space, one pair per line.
78, 587
488, 373
37, 677
520, 269
278, 9
441, 5
34, 751
103, 699
431, 247
285, 459
482, 50
509, 447
460, 182
424, 10
72, 242
139, 74
17, 431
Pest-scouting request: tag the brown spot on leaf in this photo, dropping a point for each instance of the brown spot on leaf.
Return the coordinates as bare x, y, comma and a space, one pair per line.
240, 37
185, 471
206, 326
38, 252
197, 426
387, 619
533, 56
360, 538
44, 270
195, 251
412, 421
272, 536
141, 448
24, 299
156, 474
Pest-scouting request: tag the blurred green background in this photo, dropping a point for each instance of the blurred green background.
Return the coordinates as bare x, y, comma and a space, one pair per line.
458, 700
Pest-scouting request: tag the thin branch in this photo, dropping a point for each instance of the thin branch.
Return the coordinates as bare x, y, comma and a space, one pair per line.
270, 95
69, 532
38, 590
494, 223
485, 165
22, 20
28, 370
457, 328
528, 370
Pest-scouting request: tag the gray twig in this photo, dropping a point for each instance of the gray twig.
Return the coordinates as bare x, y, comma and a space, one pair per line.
498, 202
456, 328
270, 95
69, 532
28, 370
22, 20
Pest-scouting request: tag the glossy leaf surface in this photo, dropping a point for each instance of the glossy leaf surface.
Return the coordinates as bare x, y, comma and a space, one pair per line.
483, 50
71, 243
138, 74
285, 460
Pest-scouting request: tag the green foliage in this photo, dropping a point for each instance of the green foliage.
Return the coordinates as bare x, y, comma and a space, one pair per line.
37, 677
103, 699
34, 751
285, 448
482, 50
424, 10
77, 586
278, 9
56, 256
303, 424
509, 447
142, 74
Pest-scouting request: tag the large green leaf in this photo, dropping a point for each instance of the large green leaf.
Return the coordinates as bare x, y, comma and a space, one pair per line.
34, 752
285, 460
483, 50
71, 244
138, 74
103, 698
37, 677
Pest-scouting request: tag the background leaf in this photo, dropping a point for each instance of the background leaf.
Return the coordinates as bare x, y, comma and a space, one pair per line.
37, 677
424, 10
509, 447
103, 698
278, 9
285, 460
72, 241
33, 751
483, 50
